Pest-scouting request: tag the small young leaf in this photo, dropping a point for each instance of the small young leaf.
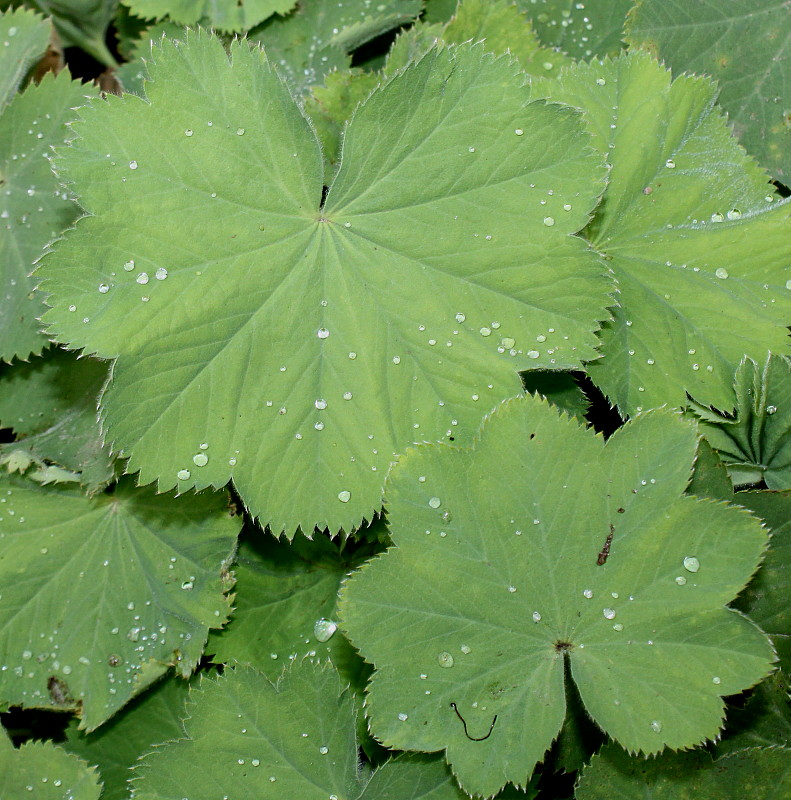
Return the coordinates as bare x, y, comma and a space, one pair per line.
308, 342
33, 209
100, 596
543, 544
758, 773
43, 771
746, 48
224, 15
154, 717
699, 247
755, 442
24, 36
51, 403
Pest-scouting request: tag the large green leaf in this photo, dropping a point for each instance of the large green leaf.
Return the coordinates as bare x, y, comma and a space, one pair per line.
757, 773
150, 719
224, 15
295, 738
51, 404
700, 251
285, 605
43, 771
315, 39
101, 596
746, 47
542, 544
33, 208
581, 29
305, 343
755, 442
24, 36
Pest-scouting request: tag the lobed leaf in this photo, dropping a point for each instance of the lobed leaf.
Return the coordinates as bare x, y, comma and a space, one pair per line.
24, 35
46, 772
224, 15
102, 595
306, 343
700, 251
542, 545
746, 47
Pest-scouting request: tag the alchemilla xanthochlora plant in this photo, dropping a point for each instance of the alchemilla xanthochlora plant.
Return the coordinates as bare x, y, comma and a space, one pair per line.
395, 399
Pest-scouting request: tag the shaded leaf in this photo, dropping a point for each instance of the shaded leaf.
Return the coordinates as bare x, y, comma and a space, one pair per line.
539, 545
746, 47
55, 774
757, 773
224, 15
560, 389
51, 403
305, 355
285, 606
154, 717
709, 476
755, 441
102, 595
33, 209
700, 251
24, 35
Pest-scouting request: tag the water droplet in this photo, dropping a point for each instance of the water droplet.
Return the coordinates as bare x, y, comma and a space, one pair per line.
601, 81
352, 355
533, 354
396, 359
344, 496
508, 342
609, 613
771, 410
681, 580
322, 333
188, 132
549, 221
200, 459
445, 659
485, 331
734, 213
240, 131
129, 266
656, 726
324, 629
161, 274
324, 750
320, 404
717, 217
232, 462
721, 273
691, 564
617, 627
518, 131
536, 616
133, 165
402, 716
255, 762
466, 649
512, 589
588, 593
461, 317
435, 502
716, 680
103, 288
183, 474
670, 164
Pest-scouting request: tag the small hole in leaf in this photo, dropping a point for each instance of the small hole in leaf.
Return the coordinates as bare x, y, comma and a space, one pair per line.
563, 647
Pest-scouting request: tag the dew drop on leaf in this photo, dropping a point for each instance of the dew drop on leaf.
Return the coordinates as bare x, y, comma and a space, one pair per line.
445, 659
344, 496
435, 502
691, 564
200, 459
183, 474
609, 613
324, 629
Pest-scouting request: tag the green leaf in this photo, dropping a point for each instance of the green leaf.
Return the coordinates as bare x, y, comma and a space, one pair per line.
153, 717
285, 606
592, 28
414, 776
102, 595
82, 23
709, 477
24, 36
755, 442
746, 48
33, 209
305, 355
757, 773
766, 597
51, 405
295, 739
501, 571
223, 15
764, 720
699, 250
504, 28
46, 772
561, 389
